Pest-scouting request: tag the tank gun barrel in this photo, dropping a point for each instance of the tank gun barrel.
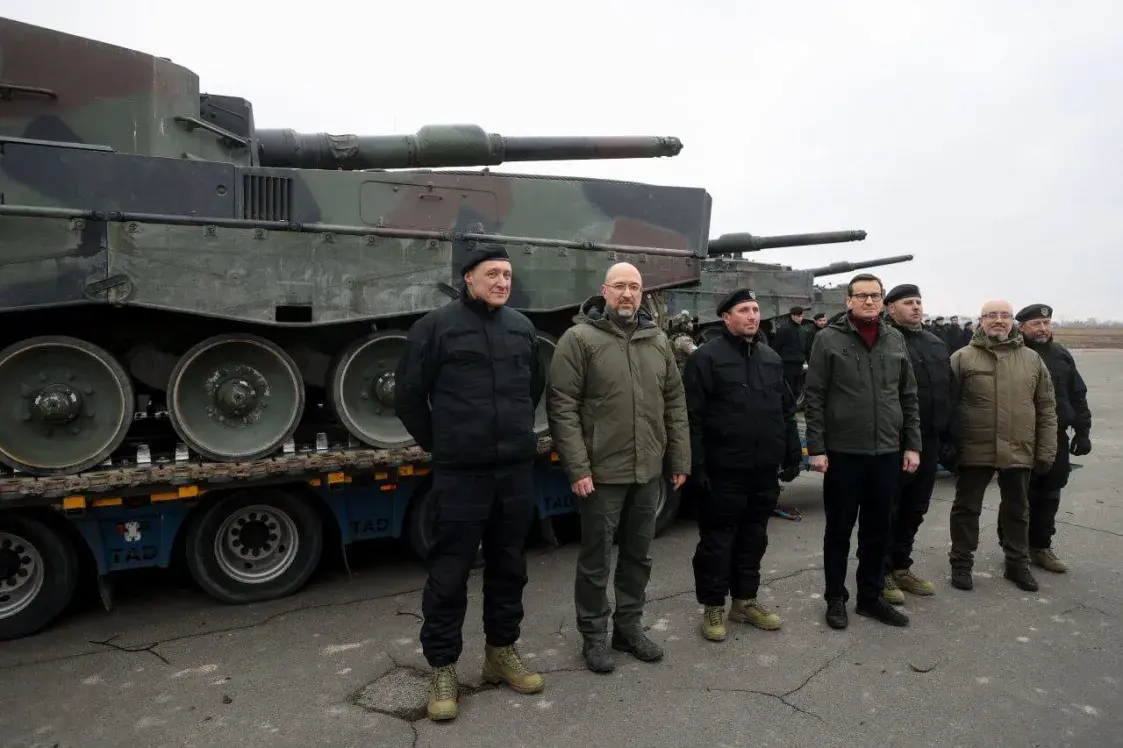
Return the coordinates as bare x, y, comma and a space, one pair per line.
731, 244
850, 267
446, 145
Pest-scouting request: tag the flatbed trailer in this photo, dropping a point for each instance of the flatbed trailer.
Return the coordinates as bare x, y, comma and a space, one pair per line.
247, 531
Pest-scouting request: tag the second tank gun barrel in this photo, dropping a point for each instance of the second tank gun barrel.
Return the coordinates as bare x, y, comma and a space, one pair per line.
446, 146
731, 244
850, 267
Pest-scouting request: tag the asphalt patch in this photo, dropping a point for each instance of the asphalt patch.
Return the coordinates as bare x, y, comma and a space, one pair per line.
403, 693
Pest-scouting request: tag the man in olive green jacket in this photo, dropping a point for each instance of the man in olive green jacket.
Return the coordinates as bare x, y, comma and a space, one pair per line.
617, 414
863, 429
1005, 423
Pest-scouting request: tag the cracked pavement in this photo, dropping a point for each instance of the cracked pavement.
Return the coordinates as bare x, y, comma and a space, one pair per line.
992, 667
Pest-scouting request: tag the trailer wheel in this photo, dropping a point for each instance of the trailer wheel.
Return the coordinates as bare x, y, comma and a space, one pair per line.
254, 545
38, 574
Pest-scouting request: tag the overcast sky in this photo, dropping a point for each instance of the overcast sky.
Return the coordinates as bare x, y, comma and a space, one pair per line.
985, 138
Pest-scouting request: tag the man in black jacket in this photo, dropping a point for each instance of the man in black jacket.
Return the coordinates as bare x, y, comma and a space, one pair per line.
931, 365
467, 389
1036, 324
742, 431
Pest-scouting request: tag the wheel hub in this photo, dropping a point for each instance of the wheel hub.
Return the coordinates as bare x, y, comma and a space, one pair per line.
256, 545
20, 574
237, 394
384, 389
57, 404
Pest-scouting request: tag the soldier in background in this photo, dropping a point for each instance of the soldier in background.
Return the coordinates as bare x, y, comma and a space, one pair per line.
790, 341
819, 321
1036, 324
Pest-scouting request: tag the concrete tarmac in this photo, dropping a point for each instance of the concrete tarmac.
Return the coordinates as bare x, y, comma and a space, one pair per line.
340, 665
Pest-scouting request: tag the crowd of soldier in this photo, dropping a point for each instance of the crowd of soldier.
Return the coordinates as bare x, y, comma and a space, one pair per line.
885, 398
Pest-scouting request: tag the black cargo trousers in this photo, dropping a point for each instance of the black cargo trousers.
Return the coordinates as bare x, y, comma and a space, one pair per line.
492, 505
911, 503
1045, 497
733, 533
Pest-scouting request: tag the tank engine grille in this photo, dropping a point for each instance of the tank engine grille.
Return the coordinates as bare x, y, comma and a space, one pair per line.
266, 198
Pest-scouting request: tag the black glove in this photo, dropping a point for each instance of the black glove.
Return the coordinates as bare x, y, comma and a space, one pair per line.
1042, 468
948, 456
789, 473
700, 477
1081, 445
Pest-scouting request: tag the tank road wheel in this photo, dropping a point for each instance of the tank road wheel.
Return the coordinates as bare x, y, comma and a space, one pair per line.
362, 390
253, 545
38, 574
65, 405
235, 397
547, 344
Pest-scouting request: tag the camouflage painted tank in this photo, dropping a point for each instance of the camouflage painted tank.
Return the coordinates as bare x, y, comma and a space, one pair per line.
162, 256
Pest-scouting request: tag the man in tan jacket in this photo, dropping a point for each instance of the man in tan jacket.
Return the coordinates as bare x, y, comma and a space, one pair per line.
617, 413
1005, 422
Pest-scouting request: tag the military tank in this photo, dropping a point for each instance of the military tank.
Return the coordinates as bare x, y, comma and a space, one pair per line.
165, 262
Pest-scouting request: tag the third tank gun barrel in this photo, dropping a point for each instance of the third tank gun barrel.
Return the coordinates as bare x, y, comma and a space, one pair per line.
446, 146
850, 267
731, 244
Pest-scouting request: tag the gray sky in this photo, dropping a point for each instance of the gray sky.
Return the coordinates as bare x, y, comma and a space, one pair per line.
985, 138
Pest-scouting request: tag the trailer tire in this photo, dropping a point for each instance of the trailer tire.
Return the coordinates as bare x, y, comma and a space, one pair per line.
279, 520
56, 576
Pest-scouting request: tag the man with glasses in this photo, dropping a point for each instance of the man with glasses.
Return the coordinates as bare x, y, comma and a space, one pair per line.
1006, 423
1036, 324
617, 414
863, 429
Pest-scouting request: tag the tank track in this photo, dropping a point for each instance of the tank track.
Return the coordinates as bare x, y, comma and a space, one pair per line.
293, 464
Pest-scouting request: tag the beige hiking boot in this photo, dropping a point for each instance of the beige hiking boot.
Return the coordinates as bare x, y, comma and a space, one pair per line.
912, 584
891, 593
443, 692
1047, 559
713, 622
751, 611
503, 665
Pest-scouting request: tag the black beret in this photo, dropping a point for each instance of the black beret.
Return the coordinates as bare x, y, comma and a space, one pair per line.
483, 253
735, 298
796, 310
1034, 311
903, 291
821, 315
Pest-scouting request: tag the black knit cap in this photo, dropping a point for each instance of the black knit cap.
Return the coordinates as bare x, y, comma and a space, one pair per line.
735, 298
1034, 311
903, 291
483, 253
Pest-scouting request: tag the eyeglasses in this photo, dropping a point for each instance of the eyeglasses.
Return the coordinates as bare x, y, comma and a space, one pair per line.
622, 287
863, 297
997, 315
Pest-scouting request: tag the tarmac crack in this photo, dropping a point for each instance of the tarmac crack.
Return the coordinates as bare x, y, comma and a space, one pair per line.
782, 697
150, 647
1086, 606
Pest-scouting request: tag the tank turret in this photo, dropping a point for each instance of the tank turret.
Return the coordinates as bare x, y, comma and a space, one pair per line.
849, 267
731, 244
446, 145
